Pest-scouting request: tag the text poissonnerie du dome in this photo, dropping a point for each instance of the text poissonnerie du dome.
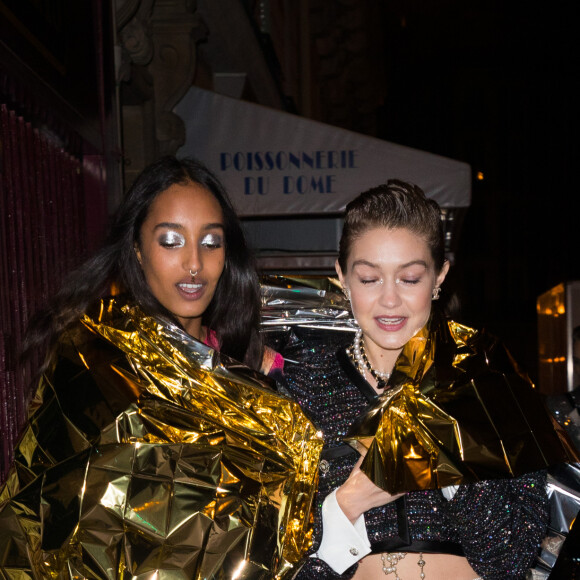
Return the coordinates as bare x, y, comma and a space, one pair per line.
287, 160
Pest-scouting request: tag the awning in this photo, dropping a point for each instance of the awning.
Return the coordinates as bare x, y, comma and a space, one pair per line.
274, 163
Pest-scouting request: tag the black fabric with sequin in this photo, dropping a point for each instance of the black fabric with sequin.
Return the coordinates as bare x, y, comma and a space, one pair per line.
498, 523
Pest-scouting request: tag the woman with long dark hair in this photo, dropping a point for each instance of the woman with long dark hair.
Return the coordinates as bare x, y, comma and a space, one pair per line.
233, 313
150, 451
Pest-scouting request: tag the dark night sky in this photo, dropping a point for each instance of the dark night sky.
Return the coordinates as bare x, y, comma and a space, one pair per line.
496, 84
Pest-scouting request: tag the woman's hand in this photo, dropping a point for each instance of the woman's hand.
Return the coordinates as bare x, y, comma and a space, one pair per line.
359, 494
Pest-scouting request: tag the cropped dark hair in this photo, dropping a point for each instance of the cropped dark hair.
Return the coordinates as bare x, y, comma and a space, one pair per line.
396, 204
235, 321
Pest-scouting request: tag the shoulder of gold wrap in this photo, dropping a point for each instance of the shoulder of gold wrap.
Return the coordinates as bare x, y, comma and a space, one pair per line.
461, 334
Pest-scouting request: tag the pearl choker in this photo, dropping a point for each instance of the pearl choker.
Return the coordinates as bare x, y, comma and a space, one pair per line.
363, 364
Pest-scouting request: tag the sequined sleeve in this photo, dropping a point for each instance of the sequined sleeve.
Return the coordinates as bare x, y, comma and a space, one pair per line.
501, 524
315, 569
318, 385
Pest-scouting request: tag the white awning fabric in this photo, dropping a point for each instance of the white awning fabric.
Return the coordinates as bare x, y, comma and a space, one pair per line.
274, 163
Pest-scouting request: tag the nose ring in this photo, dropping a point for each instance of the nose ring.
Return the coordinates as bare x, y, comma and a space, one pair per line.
193, 274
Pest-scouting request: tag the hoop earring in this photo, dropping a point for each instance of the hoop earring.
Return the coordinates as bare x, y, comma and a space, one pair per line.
435, 293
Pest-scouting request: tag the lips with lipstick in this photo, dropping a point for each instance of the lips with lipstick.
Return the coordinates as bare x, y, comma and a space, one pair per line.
190, 290
391, 323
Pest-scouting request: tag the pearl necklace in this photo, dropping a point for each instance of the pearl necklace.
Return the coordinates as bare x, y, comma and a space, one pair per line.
363, 363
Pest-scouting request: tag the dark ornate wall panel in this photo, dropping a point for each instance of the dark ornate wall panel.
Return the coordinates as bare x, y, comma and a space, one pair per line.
57, 147
42, 229
331, 57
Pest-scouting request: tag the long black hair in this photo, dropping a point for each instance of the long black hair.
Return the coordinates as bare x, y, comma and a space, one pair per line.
234, 312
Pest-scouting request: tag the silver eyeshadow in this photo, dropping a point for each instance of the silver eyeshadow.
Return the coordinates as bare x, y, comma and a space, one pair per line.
212, 240
172, 240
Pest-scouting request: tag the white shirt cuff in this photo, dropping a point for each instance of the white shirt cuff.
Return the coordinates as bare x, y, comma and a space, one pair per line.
343, 543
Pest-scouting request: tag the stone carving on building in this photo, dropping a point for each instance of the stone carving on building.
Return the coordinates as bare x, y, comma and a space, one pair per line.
157, 43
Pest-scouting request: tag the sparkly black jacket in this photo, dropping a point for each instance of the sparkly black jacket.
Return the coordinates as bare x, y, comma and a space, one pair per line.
496, 524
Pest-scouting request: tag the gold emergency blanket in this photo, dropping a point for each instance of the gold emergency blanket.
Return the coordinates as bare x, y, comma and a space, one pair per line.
457, 411
149, 455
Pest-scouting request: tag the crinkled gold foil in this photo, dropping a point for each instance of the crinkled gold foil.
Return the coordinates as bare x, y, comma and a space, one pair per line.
149, 455
457, 411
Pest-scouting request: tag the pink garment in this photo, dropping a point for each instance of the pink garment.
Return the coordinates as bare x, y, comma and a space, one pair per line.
277, 364
211, 339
